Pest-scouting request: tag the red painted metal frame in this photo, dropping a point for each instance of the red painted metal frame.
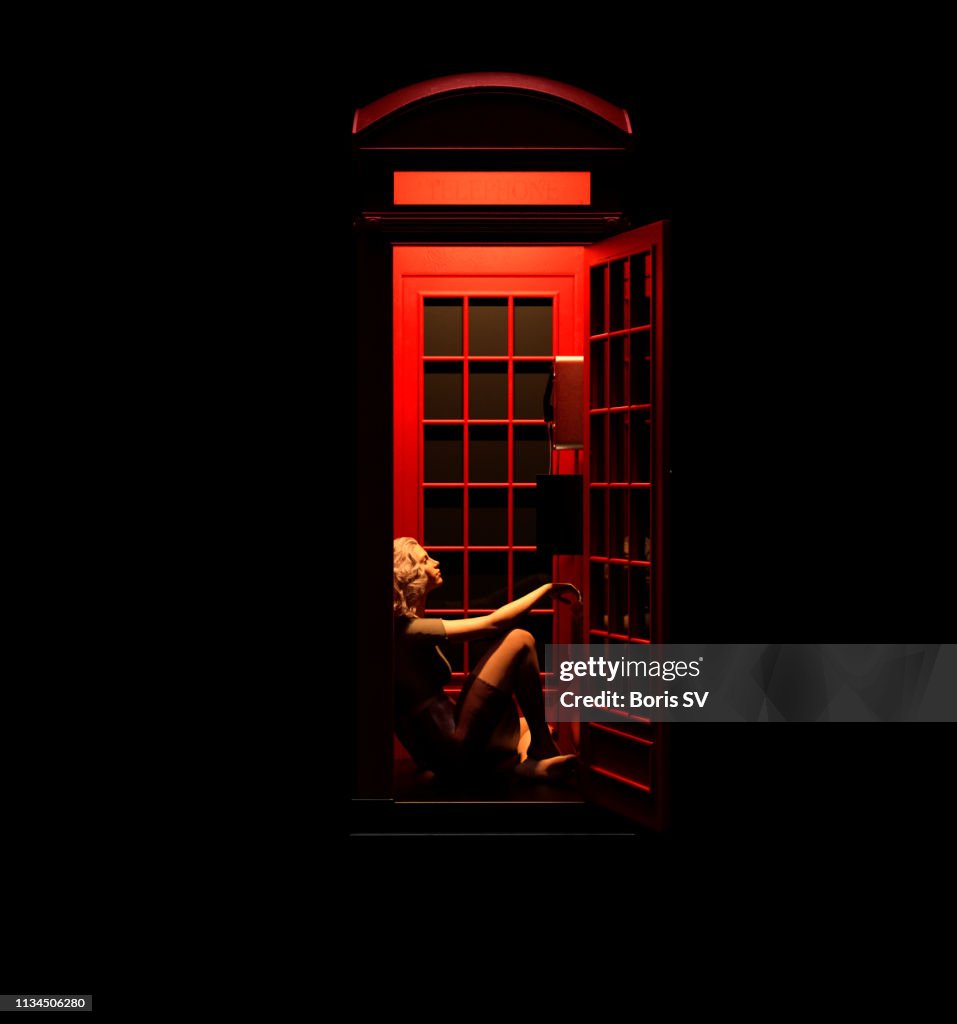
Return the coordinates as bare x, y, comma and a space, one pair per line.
625, 735
489, 81
643, 787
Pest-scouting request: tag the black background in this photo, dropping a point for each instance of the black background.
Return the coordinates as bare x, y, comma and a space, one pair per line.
200, 198
811, 454
806, 454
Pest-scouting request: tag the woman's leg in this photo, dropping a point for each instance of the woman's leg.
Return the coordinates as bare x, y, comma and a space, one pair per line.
511, 666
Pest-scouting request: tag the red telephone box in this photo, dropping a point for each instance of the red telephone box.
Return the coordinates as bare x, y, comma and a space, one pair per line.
491, 224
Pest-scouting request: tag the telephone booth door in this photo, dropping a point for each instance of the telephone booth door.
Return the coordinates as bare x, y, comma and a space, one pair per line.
624, 766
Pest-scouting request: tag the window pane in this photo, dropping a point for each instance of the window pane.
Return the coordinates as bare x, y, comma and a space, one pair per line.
640, 369
597, 448
616, 371
616, 296
488, 391
618, 599
531, 570
443, 391
531, 452
531, 379
488, 516
599, 596
599, 539
618, 540
443, 454
639, 610
442, 324
488, 327
641, 448
523, 516
618, 447
533, 327
640, 530
488, 454
596, 371
488, 579
640, 290
597, 299
443, 516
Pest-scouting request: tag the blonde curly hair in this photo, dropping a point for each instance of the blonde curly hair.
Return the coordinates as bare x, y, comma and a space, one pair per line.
408, 578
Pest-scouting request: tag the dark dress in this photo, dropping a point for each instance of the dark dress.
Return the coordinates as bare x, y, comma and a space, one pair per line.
474, 735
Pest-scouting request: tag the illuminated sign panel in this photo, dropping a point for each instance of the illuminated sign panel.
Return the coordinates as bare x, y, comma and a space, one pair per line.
492, 188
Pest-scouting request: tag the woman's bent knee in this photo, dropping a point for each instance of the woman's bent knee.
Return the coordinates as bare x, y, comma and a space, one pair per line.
521, 638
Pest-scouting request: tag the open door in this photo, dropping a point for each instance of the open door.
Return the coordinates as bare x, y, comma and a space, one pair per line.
624, 767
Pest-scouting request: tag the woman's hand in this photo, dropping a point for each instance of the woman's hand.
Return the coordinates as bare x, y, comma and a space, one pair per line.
566, 592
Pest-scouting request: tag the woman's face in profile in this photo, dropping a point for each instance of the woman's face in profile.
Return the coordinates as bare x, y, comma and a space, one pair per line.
431, 566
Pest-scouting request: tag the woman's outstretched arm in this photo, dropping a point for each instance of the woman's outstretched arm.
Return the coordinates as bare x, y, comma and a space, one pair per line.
502, 618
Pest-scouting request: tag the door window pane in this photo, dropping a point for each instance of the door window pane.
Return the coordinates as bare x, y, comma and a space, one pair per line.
488, 391
488, 579
488, 516
488, 327
640, 290
597, 375
531, 570
597, 299
616, 371
443, 391
639, 608
596, 444
597, 525
488, 454
618, 540
640, 369
616, 296
533, 327
442, 324
530, 382
640, 529
641, 448
531, 455
618, 600
443, 516
599, 596
618, 446
523, 515
443, 454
